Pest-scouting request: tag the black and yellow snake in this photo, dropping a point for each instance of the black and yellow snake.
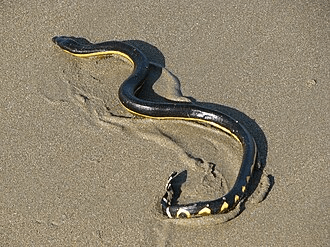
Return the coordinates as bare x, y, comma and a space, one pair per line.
81, 47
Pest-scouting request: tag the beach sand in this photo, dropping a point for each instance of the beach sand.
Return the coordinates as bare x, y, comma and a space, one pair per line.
78, 170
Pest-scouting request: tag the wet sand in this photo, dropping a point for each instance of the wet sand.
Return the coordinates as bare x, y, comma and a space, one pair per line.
78, 170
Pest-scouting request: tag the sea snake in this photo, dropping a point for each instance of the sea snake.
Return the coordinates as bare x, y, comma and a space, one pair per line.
81, 47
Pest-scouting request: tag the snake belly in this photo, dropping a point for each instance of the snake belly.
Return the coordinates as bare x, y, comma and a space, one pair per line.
81, 47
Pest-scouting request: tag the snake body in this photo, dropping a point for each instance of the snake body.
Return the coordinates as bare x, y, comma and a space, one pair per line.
81, 47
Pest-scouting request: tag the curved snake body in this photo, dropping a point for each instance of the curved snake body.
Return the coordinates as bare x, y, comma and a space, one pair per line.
81, 47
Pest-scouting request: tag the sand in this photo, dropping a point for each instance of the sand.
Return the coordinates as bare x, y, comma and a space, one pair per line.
78, 170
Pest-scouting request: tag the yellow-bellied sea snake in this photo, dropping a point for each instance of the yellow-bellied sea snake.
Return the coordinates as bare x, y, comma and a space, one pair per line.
81, 47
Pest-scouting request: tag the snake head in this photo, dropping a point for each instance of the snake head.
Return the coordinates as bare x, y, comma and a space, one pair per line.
71, 44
